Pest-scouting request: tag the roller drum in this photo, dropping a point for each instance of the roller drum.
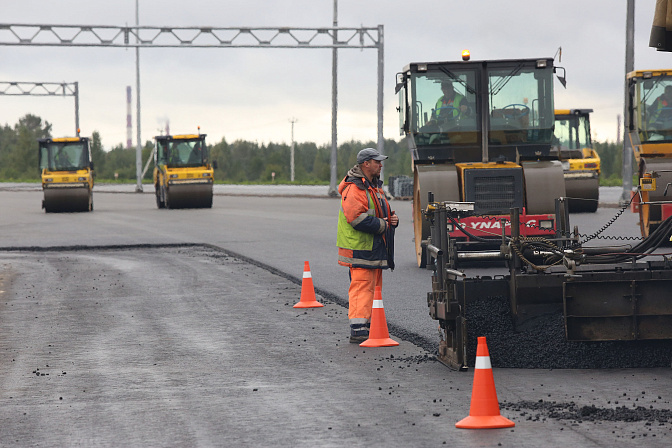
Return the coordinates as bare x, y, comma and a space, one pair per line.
441, 180
189, 196
583, 194
544, 182
66, 200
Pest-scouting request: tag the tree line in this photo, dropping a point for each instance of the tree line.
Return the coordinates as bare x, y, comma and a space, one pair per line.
240, 161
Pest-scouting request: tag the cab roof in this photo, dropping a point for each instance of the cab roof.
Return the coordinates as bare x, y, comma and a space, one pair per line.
181, 137
649, 73
549, 62
63, 139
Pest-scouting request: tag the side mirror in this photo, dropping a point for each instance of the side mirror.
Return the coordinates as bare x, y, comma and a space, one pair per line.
214, 164
400, 83
562, 79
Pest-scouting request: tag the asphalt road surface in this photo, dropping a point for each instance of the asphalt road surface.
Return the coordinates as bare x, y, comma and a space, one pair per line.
135, 326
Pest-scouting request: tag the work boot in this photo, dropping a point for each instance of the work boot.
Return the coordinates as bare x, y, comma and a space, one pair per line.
358, 333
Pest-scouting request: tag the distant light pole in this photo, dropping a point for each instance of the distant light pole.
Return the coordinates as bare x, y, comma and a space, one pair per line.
291, 152
334, 108
138, 148
629, 66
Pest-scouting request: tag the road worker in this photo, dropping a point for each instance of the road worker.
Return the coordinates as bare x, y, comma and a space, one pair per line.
365, 237
451, 104
661, 109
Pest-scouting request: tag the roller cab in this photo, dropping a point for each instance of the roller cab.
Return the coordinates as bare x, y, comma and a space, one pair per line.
183, 173
649, 124
67, 174
580, 162
481, 132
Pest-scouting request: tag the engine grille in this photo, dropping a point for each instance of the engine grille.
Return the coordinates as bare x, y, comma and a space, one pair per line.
494, 190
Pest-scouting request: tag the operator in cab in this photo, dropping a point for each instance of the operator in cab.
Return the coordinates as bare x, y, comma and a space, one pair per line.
661, 109
451, 104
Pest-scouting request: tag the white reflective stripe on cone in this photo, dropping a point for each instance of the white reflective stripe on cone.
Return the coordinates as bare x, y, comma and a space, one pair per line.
377, 303
306, 274
483, 362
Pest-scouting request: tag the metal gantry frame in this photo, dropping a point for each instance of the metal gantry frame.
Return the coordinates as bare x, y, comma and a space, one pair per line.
205, 37
21, 88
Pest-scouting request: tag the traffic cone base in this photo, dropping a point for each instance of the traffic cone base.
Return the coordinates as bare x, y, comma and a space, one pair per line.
385, 342
307, 290
312, 304
378, 334
485, 422
484, 410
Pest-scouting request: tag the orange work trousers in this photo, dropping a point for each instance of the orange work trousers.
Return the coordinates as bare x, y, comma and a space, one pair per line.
363, 283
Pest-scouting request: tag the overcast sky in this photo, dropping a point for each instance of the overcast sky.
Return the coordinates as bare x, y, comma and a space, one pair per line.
253, 93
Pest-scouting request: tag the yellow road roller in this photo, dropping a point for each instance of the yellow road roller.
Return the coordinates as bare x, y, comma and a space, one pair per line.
580, 162
480, 132
649, 124
183, 173
67, 174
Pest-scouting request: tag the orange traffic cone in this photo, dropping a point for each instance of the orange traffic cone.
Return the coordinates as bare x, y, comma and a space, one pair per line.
378, 334
484, 411
307, 290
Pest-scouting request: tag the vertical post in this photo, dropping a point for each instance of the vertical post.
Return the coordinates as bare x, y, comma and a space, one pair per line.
129, 122
291, 152
629, 66
381, 63
334, 107
138, 147
77, 108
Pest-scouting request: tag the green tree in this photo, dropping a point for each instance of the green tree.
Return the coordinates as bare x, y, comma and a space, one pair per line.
97, 153
19, 150
611, 162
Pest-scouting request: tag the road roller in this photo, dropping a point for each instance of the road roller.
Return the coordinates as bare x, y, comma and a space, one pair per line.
481, 132
649, 124
580, 162
183, 173
67, 174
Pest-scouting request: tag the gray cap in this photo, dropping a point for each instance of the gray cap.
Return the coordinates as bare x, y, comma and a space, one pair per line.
368, 154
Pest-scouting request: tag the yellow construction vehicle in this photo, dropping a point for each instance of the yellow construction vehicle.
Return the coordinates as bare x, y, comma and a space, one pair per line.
486, 140
183, 174
67, 174
580, 162
649, 124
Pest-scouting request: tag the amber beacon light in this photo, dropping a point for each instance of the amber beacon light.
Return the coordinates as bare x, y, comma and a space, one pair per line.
466, 55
